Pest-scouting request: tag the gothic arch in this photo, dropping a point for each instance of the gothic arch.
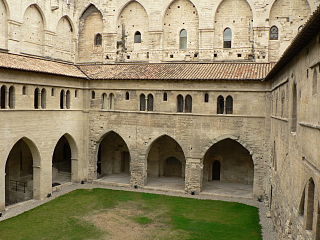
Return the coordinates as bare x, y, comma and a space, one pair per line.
64, 39
4, 16
226, 16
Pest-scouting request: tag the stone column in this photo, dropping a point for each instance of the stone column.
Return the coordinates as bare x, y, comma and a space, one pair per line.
74, 170
193, 175
2, 190
138, 170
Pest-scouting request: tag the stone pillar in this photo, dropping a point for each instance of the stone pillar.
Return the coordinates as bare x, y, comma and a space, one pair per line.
193, 175
2, 190
74, 170
36, 182
42, 177
138, 170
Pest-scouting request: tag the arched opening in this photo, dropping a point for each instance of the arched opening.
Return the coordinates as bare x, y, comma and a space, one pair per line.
3, 98
220, 105
180, 103
111, 101
166, 164
104, 101
150, 102
315, 82
113, 160
310, 204
64, 43
98, 40
62, 101
36, 98
183, 39
274, 33
61, 162
68, 99
93, 95
216, 167
228, 171
43, 98
294, 108
12, 97
206, 97
142, 102
19, 174
165, 97
127, 96
227, 38
229, 105
137, 37
188, 106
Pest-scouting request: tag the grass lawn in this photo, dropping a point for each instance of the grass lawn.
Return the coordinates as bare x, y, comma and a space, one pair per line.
120, 215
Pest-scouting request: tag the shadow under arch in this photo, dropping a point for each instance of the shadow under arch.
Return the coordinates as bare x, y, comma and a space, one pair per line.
22, 172
113, 158
64, 160
70, 23
165, 163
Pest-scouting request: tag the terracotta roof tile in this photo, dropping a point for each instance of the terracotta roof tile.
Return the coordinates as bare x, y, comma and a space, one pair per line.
178, 71
33, 64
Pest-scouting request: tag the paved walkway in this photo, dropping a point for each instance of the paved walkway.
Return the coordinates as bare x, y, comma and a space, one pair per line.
267, 226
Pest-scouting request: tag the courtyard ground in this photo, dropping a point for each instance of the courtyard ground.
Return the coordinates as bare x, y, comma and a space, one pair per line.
116, 215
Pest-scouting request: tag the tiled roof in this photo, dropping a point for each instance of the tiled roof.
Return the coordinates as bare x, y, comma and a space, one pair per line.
178, 71
33, 64
307, 33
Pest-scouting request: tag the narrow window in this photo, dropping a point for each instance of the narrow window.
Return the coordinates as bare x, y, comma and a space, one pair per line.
274, 33
62, 96
68, 99
315, 82
150, 102
165, 97
282, 103
137, 37
75, 93
220, 105
93, 95
104, 101
98, 39
180, 103
127, 96
188, 104
111, 101
229, 105
227, 38
52, 92
36, 98
310, 205
3, 96
206, 97
183, 39
11, 97
294, 109
43, 98
24, 90
142, 102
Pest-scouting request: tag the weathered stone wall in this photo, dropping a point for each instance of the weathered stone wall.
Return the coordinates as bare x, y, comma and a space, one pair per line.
295, 153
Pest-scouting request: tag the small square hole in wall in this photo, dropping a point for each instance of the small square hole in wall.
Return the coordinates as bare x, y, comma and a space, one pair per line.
196, 55
215, 55
128, 57
171, 55
52, 92
239, 55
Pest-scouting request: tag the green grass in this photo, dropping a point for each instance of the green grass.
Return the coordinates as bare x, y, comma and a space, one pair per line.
63, 217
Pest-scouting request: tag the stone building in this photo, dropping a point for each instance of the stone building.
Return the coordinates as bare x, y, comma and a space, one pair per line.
201, 97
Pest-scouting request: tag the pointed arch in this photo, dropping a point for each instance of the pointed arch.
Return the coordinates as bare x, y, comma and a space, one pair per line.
64, 40
185, 14
32, 29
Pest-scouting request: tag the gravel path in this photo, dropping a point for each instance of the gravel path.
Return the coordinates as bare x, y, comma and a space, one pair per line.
266, 223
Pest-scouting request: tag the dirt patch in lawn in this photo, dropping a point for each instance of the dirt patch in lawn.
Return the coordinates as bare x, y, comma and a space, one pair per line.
122, 222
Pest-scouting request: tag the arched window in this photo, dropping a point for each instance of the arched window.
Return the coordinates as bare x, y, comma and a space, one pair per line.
142, 102
36, 98
180, 103
137, 37
220, 105
183, 39
68, 99
188, 106
52, 92
165, 97
3, 93
150, 102
206, 97
227, 38
98, 39
11, 97
315, 82
310, 205
229, 105
62, 95
43, 98
294, 108
24, 90
76, 93
104, 101
127, 96
93, 95
111, 101
274, 33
